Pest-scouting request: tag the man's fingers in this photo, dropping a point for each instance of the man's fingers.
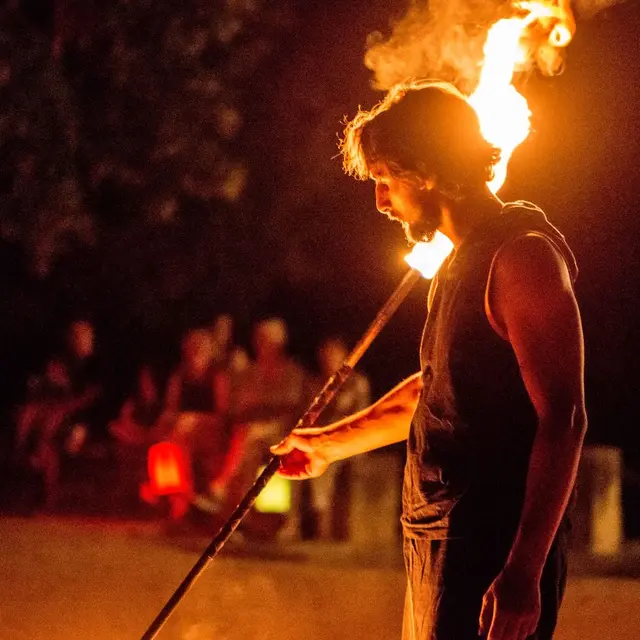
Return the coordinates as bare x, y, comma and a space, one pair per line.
509, 627
294, 474
302, 443
309, 431
282, 448
522, 632
529, 628
518, 630
291, 442
512, 630
498, 624
486, 614
295, 466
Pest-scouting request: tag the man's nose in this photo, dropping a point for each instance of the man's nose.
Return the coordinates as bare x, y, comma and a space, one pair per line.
383, 203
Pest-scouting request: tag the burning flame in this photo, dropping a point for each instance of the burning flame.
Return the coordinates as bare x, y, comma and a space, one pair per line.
427, 257
503, 112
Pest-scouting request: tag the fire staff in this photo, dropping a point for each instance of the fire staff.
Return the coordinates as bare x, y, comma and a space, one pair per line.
495, 419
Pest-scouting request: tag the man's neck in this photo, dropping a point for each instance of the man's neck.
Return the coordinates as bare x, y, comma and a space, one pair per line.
459, 219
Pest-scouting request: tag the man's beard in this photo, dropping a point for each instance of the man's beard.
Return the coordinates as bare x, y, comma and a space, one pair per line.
421, 231
424, 229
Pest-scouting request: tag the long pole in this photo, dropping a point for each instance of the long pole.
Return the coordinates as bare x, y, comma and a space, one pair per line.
307, 420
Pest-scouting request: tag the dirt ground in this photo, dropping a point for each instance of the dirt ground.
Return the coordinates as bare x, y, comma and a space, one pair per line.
93, 580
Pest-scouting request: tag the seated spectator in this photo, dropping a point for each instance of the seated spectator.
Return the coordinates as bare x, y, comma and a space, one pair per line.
328, 491
132, 432
228, 355
55, 421
268, 401
195, 418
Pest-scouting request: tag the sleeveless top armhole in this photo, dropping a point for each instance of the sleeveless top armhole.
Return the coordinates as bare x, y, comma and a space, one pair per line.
487, 292
432, 292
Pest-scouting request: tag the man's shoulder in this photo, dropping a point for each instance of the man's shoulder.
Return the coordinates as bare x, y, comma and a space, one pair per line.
524, 228
530, 256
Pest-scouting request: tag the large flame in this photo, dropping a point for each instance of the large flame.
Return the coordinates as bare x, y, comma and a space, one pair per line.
427, 257
503, 112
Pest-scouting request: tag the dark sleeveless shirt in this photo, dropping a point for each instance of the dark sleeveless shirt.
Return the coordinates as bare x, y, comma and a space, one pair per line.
473, 429
198, 395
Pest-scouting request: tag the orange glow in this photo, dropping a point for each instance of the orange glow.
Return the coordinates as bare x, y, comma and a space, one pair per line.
560, 35
504, 113
427, 257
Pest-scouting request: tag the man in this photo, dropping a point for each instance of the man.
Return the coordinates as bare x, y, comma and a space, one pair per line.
495, 420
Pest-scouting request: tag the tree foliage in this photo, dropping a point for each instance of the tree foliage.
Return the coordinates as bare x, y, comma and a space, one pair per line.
121, 117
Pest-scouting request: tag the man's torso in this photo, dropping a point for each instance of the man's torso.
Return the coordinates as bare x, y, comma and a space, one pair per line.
471, 436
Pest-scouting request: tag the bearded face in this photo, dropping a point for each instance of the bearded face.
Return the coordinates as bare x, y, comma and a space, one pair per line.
423, 228
416, 205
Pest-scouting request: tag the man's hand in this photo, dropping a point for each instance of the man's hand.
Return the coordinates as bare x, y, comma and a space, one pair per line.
306, 453
302, 454
511, 606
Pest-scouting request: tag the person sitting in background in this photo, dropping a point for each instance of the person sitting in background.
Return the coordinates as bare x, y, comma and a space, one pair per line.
328, 490
268, 401
56, 419
195, 417
38, 416
228, 355
132, 433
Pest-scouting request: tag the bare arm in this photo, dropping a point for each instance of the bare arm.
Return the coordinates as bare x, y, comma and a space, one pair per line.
534, 304
307, 452
535, 301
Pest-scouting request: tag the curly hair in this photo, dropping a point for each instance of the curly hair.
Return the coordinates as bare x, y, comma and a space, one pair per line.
421, 129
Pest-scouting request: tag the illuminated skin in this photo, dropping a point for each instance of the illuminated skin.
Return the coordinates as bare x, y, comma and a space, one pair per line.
531, 304
412, 204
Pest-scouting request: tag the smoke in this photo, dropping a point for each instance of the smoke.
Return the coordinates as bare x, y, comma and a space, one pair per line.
443, 39
438, 39
586, 9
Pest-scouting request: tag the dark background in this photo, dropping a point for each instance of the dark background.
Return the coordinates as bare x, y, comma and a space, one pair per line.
119, 160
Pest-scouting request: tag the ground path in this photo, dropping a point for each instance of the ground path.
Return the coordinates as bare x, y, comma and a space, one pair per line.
94, 580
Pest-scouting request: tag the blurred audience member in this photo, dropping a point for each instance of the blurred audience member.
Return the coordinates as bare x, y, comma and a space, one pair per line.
195, 418
269, 400
228, 354
60, 410
327, 491
132, 432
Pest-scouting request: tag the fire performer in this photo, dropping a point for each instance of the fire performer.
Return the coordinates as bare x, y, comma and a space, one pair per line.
495, 420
